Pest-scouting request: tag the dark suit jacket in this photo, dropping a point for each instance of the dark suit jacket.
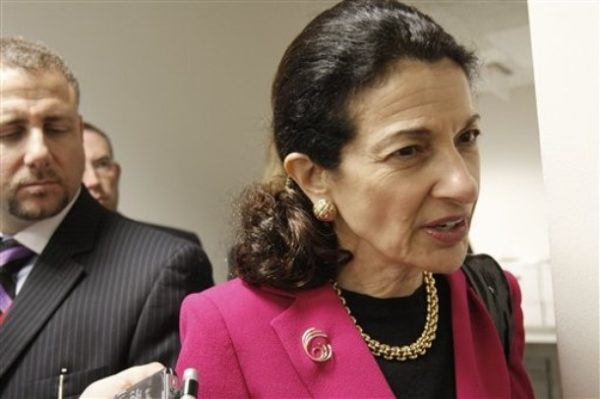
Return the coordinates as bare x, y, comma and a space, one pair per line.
188, 235
104, 295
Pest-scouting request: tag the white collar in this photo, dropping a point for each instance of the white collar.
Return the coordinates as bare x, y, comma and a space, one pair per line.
36, 236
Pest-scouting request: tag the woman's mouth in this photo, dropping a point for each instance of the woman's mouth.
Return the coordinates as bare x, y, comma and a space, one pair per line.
449, 231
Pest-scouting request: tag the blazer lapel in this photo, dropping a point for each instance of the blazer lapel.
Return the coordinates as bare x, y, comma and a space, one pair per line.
51, 280
479, 361
352, 370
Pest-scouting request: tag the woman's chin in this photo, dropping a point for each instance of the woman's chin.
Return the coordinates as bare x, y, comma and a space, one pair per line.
443, 263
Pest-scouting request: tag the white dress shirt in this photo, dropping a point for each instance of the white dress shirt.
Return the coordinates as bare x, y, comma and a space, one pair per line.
36, 236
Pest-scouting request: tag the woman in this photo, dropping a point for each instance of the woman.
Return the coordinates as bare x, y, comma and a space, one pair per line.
348, 267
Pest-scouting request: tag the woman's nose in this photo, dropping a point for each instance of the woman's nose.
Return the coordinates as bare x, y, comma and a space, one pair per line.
458, 179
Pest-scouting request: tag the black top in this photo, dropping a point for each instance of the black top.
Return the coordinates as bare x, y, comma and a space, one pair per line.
400, 321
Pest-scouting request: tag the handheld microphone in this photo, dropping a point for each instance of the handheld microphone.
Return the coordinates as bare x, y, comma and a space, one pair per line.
190, 384
164, 384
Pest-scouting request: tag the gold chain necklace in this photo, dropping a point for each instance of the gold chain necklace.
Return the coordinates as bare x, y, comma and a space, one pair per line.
417, 348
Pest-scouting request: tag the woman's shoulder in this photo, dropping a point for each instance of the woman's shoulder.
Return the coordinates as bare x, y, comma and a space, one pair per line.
236, 298
220, 290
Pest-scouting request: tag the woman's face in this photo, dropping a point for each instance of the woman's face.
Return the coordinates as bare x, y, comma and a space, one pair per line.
408, 182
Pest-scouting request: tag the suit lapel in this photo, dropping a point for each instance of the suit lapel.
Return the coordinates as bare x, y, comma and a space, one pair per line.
479, 363
352, 371
53, 277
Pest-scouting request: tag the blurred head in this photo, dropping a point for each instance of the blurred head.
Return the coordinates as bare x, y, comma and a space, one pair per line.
102, 172
40, 134
372, 111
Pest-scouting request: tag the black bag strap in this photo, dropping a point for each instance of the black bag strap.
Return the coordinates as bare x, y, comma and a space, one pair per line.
487, 278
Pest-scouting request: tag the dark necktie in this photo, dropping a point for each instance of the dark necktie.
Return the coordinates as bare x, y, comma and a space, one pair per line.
13, 256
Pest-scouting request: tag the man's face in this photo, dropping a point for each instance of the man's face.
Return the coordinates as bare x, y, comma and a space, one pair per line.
101, 176
41, 150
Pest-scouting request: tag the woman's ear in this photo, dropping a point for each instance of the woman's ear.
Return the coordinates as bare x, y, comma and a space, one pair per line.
311, 178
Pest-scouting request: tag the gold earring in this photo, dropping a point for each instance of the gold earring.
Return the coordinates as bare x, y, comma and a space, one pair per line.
324, 210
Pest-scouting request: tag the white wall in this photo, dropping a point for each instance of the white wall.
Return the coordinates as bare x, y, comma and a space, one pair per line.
565, 54
510, 221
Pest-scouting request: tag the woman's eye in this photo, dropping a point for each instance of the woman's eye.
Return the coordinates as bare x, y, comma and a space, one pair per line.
407, 151
469, 137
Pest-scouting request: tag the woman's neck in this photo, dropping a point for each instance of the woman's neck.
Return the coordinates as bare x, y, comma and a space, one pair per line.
380, 280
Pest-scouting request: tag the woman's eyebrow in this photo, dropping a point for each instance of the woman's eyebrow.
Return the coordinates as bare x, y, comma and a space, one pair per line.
471, 121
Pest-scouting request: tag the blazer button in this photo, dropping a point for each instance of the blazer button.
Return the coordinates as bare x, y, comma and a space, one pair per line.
316, 345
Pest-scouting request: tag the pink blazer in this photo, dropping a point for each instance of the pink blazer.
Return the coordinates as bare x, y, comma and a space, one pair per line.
247, 342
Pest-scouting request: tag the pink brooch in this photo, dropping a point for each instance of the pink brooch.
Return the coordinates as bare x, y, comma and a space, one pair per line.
316, 345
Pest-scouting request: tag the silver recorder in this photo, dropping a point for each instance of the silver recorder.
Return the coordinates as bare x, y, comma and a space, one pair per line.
164, 385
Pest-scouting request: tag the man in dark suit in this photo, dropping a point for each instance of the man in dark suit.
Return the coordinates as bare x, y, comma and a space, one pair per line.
85, 292
102, 175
